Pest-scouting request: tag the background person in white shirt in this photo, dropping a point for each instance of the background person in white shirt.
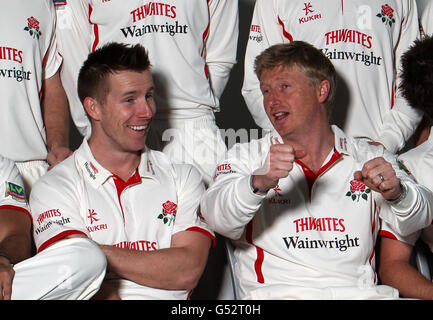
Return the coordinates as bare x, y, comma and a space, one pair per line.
417, 86
35, 119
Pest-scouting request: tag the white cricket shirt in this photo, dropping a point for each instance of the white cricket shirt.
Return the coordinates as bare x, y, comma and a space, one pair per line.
80, 196
312, 231
364, 40
191, 44
28, 55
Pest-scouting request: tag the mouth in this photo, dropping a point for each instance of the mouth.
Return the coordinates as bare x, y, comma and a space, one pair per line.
280, 115
138, 128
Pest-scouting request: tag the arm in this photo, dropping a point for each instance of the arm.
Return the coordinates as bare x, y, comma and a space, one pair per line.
396, 271
221, 44
179, 266
15, 245
176, 268
402, 120
56, 119
74, 42
230, 204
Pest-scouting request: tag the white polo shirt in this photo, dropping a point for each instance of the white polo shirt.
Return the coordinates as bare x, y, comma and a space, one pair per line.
12, 193
28, 55
419, 162
80, 196
313, 231
364, 39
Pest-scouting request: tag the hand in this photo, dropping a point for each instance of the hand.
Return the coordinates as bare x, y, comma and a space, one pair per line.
279, 163
57, 155
7, 274
379, 175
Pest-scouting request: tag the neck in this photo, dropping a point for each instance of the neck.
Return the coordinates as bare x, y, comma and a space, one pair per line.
314, 147
122, 164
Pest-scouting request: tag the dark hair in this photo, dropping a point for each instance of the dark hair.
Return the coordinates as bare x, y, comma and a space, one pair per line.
310, 60
109, 58
417, 75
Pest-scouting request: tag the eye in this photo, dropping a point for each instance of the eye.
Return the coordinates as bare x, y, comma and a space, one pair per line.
265, 90
149, 96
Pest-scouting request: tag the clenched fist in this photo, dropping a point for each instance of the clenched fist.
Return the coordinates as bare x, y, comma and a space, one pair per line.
278, 164
379, 175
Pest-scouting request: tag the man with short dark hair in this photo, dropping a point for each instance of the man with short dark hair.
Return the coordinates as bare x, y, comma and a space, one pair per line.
303, 204
139, 207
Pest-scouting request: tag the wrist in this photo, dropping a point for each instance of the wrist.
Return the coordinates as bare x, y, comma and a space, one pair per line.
5, 258
255, 189
401, 196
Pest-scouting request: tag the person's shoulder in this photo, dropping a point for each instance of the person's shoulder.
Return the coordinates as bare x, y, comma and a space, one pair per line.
62, 176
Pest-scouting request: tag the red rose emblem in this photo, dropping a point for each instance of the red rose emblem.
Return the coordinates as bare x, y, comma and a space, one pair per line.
387, 11
357, 185
170, 208
358, 190
33, 27
33, 23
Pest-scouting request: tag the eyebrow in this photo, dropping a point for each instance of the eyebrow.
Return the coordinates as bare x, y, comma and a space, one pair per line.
133, 92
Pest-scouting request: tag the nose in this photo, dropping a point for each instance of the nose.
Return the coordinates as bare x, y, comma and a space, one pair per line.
272, 99
146, 109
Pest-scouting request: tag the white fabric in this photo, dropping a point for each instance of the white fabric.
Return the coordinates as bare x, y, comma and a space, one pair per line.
425, 10
31, 171
317, 234
80, 196
71, 269
191, 44
365, 50
419, 162
28, 55
197, 141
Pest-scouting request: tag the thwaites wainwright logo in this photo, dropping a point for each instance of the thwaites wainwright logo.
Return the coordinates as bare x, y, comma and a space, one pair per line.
168, 212
358, 190
387, 15
33, 27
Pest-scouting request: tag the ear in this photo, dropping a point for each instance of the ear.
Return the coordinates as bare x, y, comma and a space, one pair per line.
323, 90
92, 107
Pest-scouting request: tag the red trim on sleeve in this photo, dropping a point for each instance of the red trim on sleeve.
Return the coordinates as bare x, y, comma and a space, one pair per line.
57, 237
205, 232
260, 254
12, 207
387, 234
